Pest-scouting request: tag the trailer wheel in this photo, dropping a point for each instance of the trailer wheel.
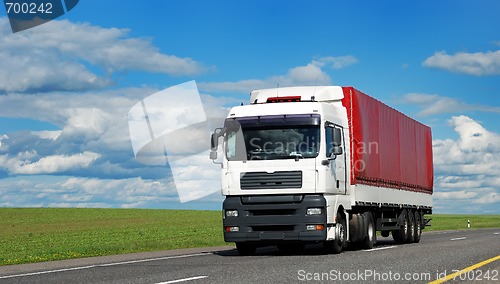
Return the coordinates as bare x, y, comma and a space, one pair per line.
354, 228
245, 248
411, 227
418, 227
370, 232
337, 245
401, 235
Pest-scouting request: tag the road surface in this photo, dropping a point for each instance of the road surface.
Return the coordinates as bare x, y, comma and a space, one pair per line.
439, 254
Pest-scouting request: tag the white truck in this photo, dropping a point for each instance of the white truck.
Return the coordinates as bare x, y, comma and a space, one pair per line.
323, 164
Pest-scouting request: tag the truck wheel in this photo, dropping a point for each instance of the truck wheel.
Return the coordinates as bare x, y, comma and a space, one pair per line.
370, 234
339, 243
245, 248
418, 227
400, 236
354, 228
411, 227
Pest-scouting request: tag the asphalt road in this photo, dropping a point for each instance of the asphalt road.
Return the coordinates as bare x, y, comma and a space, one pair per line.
438, 254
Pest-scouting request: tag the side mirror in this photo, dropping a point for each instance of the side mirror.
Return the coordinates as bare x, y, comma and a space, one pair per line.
213, 155
337, 150
214, 142
337, 137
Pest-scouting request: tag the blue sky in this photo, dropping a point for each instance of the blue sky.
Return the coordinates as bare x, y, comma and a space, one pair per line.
66, 86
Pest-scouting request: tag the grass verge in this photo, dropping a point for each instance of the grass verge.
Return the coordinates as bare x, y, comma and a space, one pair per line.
441, 222
43, 234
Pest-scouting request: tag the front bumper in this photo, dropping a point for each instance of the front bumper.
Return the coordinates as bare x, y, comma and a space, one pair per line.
274, 218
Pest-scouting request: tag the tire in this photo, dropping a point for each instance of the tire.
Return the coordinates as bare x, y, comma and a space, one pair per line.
411, 227
361, 227
370, 231
336, 246
418, 227
385, 234
245, 249
354, 228
400, 236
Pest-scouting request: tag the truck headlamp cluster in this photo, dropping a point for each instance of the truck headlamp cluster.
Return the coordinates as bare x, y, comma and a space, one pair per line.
231, 213
232, 229
314, 211
315, 227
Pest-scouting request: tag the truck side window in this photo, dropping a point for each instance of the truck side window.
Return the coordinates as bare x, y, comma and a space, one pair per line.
329, 140
231, 145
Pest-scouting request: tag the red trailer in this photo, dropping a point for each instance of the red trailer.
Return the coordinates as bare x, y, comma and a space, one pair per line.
389, 149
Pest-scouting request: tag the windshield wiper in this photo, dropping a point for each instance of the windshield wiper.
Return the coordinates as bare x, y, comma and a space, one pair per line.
296, 155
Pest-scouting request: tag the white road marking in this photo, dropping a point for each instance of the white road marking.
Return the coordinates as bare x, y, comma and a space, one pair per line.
154, 259
48, 271
183, 279
457, 239
103, 265
382, 248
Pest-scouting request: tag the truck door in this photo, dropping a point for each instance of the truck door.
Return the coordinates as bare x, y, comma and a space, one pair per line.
335, 159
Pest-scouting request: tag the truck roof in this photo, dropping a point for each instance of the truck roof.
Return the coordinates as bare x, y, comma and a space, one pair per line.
308, 93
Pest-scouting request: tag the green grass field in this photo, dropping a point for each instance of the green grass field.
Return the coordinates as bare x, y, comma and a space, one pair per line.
43, 234
34, 235
442, 222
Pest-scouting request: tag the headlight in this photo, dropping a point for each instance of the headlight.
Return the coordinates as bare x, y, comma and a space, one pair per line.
314, 211
315, 227
231, 213
232, 229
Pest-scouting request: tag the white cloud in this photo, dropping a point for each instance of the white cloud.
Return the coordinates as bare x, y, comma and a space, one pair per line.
2, 144
47, 134
63, 191
338, 62
467, 171
309, 74
479, 63
50, 75
94, 122
474, 142
490, 198
91, 117
52, 57
431, 104
24, 163
42, 71
90, 122
243, 86
462, 194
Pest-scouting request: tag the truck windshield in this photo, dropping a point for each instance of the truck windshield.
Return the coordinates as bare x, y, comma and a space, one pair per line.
273, 137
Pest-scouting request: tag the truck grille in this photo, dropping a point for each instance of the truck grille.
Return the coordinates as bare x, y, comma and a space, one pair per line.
276, 180
272, 212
